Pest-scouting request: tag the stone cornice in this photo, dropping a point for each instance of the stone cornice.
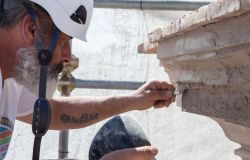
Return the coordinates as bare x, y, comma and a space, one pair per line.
205, 15
208, 53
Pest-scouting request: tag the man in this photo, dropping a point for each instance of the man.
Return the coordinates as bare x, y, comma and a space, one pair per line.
27, 29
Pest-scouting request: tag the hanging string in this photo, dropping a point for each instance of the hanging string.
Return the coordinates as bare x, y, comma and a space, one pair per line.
145, 25
143, 31
141, 4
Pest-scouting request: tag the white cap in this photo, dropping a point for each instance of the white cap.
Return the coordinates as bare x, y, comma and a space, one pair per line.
72, 17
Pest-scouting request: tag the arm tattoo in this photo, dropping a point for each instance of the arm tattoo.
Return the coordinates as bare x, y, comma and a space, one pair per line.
84, 118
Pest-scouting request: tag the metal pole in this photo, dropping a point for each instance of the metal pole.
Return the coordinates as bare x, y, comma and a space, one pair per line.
65, 90
98, 84
121, 85
149, 4
63, 144
63, 135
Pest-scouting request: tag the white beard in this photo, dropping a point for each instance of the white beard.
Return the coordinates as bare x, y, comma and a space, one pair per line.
27, 72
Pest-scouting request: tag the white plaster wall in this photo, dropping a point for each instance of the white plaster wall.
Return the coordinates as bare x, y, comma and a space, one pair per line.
111, 54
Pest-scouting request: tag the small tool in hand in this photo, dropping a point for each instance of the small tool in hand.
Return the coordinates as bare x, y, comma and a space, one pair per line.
179, 89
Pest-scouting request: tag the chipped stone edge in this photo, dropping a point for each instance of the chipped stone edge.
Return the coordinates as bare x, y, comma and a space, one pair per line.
205, 15
147, 48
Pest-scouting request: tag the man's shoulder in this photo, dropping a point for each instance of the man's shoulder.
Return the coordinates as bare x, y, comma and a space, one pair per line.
11, 90
16, 96
26, 102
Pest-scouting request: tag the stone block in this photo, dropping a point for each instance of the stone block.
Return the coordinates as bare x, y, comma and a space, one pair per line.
231, 105
194, 19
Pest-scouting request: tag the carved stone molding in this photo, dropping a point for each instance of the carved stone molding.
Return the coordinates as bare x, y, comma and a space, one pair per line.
239, 134
208, 53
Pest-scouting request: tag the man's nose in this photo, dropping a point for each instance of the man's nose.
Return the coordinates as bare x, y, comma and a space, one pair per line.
66, 53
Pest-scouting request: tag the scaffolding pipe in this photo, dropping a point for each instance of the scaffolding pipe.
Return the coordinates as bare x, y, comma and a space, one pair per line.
98, 84
121, 85
63, 144
150, 4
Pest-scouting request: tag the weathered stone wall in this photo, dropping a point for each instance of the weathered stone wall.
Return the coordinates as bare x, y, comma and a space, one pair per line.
212, 60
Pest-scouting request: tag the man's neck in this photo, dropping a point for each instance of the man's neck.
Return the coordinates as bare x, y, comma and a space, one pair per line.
7, 55
6, 66
1, 80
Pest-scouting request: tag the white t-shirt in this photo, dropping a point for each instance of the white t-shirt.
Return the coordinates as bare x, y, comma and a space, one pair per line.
1, 80
15, 101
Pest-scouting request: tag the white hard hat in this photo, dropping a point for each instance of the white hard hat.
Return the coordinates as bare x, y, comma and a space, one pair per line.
71, 16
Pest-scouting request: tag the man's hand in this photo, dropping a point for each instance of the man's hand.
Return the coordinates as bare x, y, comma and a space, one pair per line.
140, 153
154, 93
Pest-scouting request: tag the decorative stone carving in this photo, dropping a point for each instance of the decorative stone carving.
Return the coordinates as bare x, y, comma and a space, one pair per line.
208, 52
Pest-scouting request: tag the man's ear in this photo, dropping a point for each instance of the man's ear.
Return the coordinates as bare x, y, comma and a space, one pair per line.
28, 30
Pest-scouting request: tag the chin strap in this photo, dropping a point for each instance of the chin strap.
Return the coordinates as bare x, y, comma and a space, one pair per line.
42, 110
